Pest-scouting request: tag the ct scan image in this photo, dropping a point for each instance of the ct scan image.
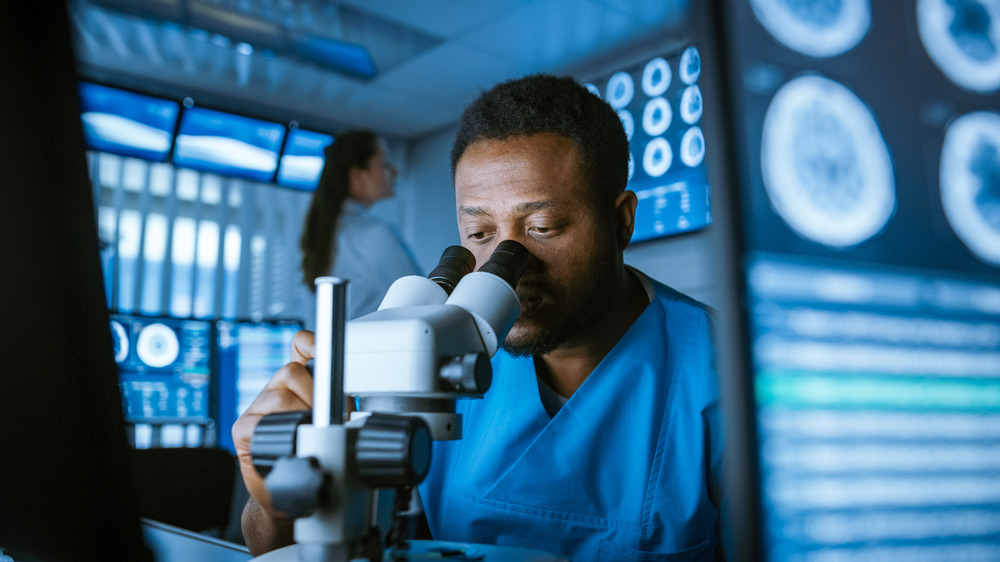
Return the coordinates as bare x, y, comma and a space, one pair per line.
818, 29
962, 37
970, 182
825, 166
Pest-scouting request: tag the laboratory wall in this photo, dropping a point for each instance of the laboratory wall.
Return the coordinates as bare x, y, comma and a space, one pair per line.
426, 196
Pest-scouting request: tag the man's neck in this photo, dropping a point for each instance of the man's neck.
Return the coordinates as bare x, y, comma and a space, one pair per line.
565, 369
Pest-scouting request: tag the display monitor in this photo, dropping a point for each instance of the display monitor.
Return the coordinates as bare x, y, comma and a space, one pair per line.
660, 105
65, 486
302, 159
164, 368
127, 123
228, 144
865, 155
248, 354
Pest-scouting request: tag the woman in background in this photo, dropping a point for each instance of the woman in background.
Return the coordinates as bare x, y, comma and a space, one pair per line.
341, 237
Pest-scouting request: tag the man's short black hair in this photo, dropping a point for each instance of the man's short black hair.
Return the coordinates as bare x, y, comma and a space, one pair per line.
542, 103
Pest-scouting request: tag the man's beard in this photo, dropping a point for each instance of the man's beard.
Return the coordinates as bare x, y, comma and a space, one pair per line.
588, 308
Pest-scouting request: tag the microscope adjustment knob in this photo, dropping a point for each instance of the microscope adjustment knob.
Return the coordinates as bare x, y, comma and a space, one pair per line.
469, 374
274, 438
298, 485
393, 450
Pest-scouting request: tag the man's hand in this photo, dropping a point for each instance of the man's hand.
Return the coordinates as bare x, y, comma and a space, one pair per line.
291, 388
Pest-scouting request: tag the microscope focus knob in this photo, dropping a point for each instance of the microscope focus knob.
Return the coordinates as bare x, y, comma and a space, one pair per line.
393, 450
298, 486
469, 374
274, 438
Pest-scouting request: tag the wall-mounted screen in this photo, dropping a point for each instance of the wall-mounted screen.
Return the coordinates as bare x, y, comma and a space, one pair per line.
248, 354
227, 144
302, 159
127, 123
867, 144
164, 368
660, 105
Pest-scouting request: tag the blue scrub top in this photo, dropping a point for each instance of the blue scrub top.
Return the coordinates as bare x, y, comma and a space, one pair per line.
628, 469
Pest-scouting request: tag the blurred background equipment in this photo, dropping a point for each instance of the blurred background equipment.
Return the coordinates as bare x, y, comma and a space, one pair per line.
865, 146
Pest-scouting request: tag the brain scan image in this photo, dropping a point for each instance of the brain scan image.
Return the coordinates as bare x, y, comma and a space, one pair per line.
657, 158
656, 77
825, 165
692, 151
157, 345
656, 117
120, 337
816, 28
962, 37
970, 182
620, 90
691, 105
690, 66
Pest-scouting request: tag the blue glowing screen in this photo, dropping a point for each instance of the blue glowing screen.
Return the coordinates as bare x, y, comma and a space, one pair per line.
302, 159
868, 187
227, 144
126, 123
164, 368
660, 105
248, 353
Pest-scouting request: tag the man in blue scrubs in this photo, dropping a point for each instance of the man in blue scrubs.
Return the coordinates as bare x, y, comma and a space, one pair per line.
599, 438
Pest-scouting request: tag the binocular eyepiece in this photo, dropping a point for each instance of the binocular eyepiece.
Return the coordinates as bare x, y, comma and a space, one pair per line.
507, 262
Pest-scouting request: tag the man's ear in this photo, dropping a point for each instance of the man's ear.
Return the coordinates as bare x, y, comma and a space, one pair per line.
625, 218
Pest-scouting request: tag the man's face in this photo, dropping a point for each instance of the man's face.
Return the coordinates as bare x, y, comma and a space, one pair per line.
531, 189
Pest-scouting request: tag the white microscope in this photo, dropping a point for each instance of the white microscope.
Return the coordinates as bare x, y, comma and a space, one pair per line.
427, 345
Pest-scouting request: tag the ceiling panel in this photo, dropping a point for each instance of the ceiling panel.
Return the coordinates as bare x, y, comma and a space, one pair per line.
551, 34
452, 73
445, 18
413, 118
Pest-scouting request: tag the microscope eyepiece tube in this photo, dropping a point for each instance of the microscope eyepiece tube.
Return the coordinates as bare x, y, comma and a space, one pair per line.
456, 262
507, 261
328, 364
413, 290
489, 293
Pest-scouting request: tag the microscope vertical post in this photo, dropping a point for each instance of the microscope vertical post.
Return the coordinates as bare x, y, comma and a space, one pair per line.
328, 366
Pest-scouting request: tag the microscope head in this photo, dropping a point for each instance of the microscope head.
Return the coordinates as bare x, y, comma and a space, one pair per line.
424, 348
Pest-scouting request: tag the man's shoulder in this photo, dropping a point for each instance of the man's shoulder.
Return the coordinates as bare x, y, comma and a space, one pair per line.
672, 298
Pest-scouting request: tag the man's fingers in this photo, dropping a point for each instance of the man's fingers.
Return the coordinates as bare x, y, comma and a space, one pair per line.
289, 389
303, 346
